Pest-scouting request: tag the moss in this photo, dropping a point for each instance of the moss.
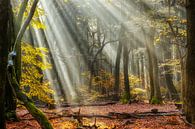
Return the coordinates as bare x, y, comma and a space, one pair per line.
124, 99
39, 116
11, 115
155, 101
33, 110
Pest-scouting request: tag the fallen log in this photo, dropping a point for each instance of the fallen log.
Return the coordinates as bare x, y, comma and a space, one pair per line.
90, 104
144, 114
75, 116
122, 115
159, 114
114, 115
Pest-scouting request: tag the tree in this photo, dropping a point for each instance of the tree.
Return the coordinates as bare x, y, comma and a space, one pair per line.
125, 69
153, 68
189, 98
4, 47
10, 68
167, 73
117, 71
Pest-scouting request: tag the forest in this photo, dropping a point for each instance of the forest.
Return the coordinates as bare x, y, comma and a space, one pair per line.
97, 64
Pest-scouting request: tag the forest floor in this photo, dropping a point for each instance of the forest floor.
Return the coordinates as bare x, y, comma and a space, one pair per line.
84, 116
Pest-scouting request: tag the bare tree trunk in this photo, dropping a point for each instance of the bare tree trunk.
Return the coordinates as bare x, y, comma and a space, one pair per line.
117, 71
157, 92
4, 47
125, 68
142, 77
10, 102
153, 68
190, 64
150, 68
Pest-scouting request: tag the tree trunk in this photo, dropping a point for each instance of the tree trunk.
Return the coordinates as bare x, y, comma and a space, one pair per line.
133, 63
142, 77
4, 46
92, 71
33, 110
150, 68
10, 102
157, 92
170, 86
125, 68
190, 64
169, 76
14, 82
153, 68
117, 71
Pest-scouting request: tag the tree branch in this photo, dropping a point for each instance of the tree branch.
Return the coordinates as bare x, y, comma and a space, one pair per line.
25, 25
102, 47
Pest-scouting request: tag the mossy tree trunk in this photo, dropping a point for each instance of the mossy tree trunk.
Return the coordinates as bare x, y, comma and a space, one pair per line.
12, 75
33, 110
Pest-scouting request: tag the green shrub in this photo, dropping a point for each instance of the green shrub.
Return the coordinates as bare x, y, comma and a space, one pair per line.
124, 99
155, 101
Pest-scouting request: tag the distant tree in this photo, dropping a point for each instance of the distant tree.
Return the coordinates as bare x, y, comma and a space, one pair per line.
117, 71
155, 93
168, 74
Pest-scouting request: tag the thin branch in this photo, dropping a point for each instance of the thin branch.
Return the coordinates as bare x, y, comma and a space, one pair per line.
25, 25
102, 47
21, 13
175, 35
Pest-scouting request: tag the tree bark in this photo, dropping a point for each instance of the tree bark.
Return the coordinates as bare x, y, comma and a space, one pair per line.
10, 102
125, 68
117, 71
4, 47
190, 64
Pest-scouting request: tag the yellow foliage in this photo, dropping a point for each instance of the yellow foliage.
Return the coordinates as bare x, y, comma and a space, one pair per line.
33, 63
35, 22
165, 31
105, 79
138, 94
138, 91
134, 80
171, 62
